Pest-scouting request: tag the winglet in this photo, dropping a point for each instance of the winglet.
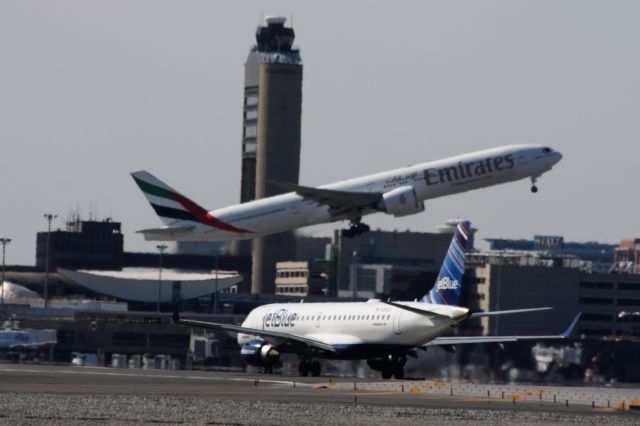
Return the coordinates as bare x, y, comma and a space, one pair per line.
567, 333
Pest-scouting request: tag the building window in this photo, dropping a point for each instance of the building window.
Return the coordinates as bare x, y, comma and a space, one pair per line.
596, 317
251, 100
251, 114
596, 285
249, 146
628, 286
250, 131
596, 301
628, 302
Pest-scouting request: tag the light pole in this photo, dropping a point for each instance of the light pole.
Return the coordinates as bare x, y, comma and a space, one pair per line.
4, 241
215, 295
49, 217
497, 307
162, 248
354, 274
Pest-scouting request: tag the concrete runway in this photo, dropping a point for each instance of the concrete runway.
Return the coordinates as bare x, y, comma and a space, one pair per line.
45, 379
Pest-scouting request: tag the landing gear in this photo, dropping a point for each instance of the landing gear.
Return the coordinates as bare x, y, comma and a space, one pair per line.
307, 366
268, 369
356, 227
303, 368
398, 371
389, 367
316, 368
534, 188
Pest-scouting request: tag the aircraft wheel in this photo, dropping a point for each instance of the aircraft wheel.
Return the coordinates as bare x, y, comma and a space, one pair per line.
534, 189
316, 368
303, 369
398, 372
386, 373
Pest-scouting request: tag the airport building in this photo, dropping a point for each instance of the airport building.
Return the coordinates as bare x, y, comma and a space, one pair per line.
610, 303
596, 257
400, 265
627, 257
270, 138
303, 278
82, 245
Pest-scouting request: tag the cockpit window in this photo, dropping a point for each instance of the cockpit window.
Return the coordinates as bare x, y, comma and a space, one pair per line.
546, 150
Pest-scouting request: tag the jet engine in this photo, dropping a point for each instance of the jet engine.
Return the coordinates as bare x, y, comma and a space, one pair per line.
259, 353
401, 202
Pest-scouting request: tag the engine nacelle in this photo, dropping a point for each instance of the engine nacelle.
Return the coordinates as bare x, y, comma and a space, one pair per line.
259, 353
401, 202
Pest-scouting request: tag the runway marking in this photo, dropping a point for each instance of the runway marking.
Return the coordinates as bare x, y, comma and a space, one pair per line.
156, 376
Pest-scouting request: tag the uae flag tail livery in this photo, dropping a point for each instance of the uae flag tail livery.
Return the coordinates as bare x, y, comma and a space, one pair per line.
446, 290
173, 207
168, 204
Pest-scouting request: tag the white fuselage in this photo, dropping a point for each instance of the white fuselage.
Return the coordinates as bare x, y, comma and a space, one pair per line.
356, 329
428, 180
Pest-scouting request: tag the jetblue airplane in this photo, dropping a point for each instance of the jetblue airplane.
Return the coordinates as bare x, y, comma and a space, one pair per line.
399, 192
383, 333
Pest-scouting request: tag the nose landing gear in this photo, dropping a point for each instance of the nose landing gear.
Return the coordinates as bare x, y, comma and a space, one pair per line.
534, 188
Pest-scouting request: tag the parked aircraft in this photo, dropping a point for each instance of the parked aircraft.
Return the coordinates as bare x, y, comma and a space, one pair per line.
384, 333
399, 192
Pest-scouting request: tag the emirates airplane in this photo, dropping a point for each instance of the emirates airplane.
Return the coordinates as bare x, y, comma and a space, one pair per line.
384, 333
398, 192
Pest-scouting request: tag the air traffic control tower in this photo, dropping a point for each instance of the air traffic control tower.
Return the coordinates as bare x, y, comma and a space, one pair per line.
270, 137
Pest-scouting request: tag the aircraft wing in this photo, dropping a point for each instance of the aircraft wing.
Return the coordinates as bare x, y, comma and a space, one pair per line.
339, 202
273, 337
33, 344
509, 312
458, 340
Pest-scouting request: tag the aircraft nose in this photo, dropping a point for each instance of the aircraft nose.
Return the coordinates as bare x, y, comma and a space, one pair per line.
556, 157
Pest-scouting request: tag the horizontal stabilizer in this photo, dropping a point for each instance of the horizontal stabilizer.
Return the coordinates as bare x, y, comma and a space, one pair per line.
169, 233
418, 311
509, 312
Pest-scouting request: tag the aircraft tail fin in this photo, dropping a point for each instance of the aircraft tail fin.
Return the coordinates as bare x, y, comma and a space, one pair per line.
169, 205
448, 285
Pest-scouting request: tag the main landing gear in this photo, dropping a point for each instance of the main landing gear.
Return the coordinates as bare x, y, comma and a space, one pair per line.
307, 366
356, 227
391, 366
534, 188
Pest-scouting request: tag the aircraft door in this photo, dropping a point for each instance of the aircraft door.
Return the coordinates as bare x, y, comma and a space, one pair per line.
396, 321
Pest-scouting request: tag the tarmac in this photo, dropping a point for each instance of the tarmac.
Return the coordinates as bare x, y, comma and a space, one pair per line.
32, 394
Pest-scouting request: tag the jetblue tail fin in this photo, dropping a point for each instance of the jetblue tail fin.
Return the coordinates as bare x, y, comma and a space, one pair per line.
446, 290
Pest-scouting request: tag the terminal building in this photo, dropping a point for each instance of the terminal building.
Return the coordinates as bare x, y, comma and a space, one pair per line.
610, 303
82, 245
380, 264
596, 257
